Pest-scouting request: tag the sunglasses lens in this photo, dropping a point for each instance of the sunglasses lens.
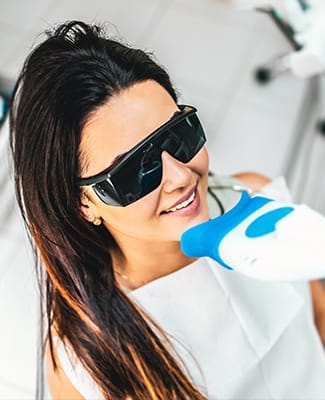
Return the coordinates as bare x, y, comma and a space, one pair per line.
137, 179
185, 139
141, 173
149, 177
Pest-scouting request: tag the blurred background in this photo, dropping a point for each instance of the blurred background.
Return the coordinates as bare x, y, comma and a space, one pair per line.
214, 51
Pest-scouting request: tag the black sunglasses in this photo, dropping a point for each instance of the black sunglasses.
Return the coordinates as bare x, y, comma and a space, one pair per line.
139, 171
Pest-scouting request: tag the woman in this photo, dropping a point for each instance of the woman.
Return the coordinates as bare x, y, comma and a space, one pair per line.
110, 171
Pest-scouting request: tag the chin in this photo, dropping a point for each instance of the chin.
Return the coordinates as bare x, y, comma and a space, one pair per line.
204, 217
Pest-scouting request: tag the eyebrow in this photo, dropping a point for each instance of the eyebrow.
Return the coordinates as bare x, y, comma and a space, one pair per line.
118, 158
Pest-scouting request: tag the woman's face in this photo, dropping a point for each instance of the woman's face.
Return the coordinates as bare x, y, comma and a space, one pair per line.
114, 129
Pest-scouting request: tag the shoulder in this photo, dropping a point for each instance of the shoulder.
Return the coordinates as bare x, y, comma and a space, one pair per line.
252, 180
59, 384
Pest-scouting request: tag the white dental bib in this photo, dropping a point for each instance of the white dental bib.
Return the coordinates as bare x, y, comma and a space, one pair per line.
239, 338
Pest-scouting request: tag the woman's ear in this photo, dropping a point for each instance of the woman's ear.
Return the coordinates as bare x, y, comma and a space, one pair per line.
88, 209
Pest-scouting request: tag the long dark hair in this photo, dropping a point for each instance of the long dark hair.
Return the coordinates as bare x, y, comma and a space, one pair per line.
68, 76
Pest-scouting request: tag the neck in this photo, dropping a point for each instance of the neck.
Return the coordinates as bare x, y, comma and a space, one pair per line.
136, 268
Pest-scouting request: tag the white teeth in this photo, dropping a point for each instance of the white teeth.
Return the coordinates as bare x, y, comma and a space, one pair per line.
183, 204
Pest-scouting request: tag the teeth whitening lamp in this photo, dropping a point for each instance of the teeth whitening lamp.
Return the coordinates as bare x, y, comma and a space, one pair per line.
264, 239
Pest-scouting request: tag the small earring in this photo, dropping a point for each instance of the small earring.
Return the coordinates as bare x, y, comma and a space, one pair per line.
97, 221
90, 218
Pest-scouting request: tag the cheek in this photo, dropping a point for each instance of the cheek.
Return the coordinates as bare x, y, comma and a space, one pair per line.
205, 161
129, 220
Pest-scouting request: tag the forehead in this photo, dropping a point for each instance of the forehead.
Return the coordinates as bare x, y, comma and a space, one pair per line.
122, 122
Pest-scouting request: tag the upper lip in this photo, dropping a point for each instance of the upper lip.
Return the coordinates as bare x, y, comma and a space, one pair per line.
183, 198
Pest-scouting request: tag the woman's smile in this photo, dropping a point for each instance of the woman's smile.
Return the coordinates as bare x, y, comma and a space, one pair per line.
185, 207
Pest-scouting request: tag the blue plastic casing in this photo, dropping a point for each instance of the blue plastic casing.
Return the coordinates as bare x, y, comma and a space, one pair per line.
203, 240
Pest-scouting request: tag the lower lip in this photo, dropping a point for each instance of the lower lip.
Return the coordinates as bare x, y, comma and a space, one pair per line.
190, 210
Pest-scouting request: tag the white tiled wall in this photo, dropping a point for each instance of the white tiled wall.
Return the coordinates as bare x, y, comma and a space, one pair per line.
210, 50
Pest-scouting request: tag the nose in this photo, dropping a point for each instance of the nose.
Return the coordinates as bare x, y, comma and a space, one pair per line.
176, 175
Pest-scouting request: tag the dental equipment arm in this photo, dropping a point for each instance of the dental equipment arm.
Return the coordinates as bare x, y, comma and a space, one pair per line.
303, 24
